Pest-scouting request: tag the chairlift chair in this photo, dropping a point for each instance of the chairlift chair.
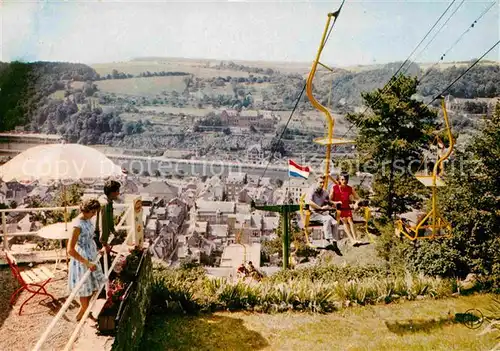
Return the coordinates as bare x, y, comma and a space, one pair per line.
431, 225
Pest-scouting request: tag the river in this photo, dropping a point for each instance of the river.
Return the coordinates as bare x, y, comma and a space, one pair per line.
199, 168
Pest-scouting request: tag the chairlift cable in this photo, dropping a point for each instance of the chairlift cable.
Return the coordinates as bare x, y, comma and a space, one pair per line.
299, 98
452, 83
391, 81
459, 38
463, 74
438, 31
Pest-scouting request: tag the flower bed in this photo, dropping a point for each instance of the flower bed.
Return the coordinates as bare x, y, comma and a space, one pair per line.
121, 284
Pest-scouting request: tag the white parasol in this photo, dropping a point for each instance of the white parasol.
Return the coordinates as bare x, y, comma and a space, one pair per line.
60, 164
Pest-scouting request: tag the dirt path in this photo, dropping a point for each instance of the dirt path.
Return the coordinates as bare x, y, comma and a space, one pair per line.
21, 333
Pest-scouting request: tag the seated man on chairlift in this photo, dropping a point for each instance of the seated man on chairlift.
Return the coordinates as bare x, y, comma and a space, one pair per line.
320, 206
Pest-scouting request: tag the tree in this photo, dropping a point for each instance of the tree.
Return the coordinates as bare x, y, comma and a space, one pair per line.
70, 195
391, 138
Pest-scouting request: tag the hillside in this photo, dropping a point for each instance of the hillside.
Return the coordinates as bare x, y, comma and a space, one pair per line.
274, 86
25, 88
153, 103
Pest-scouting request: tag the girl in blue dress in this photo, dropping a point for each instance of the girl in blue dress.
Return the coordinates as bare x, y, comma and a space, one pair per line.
83, 251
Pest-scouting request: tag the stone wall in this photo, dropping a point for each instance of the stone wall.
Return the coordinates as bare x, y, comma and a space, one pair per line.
133, 319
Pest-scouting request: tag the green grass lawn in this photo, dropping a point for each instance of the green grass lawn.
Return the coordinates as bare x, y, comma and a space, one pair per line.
57, 95
417, 325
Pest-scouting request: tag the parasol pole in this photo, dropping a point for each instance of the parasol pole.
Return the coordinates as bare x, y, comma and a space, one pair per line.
65, 198
65, 201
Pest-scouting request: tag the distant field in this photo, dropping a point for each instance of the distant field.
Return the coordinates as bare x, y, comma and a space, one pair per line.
201, 67
129, 116
285, 67
150, 86
256, 89
177, 110
57, 95
77, 85
136, 67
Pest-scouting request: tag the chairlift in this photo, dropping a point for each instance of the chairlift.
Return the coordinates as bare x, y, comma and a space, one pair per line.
432, 224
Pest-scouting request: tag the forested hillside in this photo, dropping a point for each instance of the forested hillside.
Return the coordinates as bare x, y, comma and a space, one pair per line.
483, 81
26, 99
64, 98
25, 87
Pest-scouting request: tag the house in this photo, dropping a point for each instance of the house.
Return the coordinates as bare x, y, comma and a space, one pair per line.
196, 241
243, 208
265, 125
257, 180
201, 228
255, 154
212, 193
16, 192
269, 226
247, 225
269, 115
189, 197
43, 192
177, 211
249, 118
296, 188
212, 190
220, 231
152, 229
234, 184
161, 213
261, 194
160, 189
229, 117
214, 212
235, 254
163, 246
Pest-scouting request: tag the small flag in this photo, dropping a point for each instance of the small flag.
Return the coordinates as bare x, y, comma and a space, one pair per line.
296, 170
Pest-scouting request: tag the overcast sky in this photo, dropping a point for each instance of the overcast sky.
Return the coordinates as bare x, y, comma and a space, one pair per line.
367, 31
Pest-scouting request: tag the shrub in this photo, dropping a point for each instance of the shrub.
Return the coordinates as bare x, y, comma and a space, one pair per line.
470, 202
315, 289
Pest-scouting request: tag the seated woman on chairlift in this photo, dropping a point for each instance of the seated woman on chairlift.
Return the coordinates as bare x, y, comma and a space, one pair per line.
346, 194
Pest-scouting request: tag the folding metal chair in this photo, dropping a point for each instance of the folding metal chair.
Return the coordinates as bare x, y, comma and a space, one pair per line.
32, 280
